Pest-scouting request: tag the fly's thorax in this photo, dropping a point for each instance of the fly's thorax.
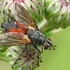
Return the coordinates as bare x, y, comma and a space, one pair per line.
37, 37
30, 32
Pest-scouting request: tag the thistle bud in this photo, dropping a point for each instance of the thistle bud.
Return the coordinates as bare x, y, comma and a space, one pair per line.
60, 13
23, 58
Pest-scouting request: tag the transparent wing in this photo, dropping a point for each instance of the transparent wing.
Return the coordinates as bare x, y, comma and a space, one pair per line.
13, 38
23, 16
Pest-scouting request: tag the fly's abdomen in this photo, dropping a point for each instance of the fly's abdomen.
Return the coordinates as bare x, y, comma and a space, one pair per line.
14, 27
9, 25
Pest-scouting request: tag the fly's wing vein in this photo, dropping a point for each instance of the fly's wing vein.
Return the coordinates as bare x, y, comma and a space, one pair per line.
21, 15
13, 38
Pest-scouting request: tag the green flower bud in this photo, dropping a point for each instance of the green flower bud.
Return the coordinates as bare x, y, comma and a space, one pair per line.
59, 13
29, 58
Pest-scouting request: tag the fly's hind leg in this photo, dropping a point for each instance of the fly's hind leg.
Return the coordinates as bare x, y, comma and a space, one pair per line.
20, 54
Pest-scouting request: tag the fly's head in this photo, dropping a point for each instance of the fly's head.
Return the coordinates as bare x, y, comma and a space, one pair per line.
48, 44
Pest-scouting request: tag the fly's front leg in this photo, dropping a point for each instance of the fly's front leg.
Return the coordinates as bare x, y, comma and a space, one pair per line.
41, 49
36, 48
39, 52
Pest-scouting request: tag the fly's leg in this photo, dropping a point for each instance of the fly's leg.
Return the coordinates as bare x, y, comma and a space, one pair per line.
42, 50
20, 54
18, 57
39, 52
26, 49
36, 48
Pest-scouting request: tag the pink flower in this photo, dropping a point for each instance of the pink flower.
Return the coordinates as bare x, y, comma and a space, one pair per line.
18, 1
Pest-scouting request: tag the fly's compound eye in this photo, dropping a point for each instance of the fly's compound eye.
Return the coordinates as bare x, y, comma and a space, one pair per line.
45, 46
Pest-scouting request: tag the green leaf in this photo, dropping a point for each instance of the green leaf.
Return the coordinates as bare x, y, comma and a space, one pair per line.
2, 56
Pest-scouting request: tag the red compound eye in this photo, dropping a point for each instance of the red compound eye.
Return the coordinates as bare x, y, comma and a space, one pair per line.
45, 46
46, 43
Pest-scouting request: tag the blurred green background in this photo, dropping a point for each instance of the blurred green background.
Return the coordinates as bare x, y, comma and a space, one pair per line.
58, 59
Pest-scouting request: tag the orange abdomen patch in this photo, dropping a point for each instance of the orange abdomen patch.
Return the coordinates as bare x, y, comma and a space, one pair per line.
22, 28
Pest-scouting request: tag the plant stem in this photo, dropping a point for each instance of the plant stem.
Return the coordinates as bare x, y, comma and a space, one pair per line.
43, 26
